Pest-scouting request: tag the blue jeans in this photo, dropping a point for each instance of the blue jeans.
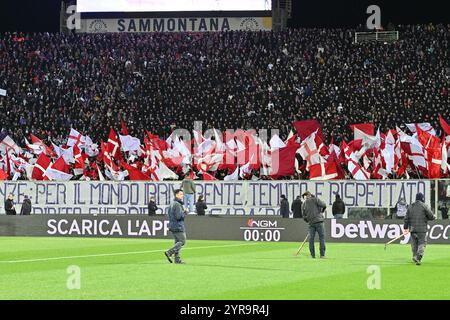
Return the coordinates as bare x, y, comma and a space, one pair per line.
317, 227
339, 216
189, 201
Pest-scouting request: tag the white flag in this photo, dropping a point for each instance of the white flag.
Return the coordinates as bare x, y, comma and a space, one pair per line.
233, 176
129, 143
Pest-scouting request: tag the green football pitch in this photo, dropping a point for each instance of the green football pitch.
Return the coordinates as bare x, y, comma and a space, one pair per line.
43, 268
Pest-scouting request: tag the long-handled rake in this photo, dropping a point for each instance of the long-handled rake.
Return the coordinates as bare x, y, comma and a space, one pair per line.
303, 244
393, 240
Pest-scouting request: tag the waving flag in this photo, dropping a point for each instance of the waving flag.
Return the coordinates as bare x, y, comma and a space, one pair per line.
8, 143
305, 128
323, 171
444, 125
423, 126
75, 138
40, 168
58, 171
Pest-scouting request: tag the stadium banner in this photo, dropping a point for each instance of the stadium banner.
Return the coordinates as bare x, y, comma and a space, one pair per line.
252, 229
222, 197
179, 24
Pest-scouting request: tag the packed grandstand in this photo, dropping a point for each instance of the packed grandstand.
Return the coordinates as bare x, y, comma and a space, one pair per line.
111, 106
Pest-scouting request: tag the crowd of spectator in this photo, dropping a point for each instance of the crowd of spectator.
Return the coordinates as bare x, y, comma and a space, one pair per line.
228, 80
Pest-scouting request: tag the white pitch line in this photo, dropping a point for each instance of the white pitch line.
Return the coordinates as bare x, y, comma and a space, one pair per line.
124, 253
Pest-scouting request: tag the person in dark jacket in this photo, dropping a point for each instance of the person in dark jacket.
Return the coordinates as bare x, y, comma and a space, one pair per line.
26, 207
200, 206
338, 208
313, 209
152, 207
177, 213
444, 211
416, 222
10, 209
284, 207
297, 207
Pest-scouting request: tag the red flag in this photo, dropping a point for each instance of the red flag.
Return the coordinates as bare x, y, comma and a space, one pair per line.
60, 165
306, 127
47, 150
283, 161
4, 176
8, 164
444, 125
156, 142
79, 159
113, 145
355, 145
42, 164
367, 128
207, 176
107, 160
323, 171
124, 128
432, 145
340, 171
134, 173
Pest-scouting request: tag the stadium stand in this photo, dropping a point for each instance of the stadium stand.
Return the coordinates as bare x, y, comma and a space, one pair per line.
159, 82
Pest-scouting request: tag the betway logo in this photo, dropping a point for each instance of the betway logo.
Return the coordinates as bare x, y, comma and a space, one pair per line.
367, 230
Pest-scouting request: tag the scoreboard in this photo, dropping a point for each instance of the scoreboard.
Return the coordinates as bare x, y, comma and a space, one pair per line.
118, 16
172, 5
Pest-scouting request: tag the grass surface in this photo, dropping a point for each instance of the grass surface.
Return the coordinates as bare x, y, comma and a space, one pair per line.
36, 268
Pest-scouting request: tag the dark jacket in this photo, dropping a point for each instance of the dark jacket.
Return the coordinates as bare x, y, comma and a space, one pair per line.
338, 207
26, 207
284, 208
444, 212
417, 217
297, 208
176, 216
9, 207
152, 208
200, 207
188, 186
312, 210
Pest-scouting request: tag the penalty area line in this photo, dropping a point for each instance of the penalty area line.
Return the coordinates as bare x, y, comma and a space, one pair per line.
125, 253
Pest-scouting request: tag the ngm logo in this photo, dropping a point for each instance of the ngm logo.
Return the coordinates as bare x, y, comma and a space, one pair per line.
261, 223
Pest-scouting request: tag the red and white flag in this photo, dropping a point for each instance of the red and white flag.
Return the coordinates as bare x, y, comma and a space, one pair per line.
59, 171
8, 143
323, 171
75, 138
309, 151
40, 168
113, 145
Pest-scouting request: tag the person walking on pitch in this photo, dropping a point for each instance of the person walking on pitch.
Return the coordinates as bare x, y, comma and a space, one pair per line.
416, 222
313, 209
177, 213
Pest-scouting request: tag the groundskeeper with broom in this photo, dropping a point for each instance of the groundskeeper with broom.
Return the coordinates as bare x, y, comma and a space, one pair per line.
313, 209
416, 222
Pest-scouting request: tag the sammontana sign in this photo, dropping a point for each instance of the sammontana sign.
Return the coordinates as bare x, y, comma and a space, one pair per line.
193, 24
